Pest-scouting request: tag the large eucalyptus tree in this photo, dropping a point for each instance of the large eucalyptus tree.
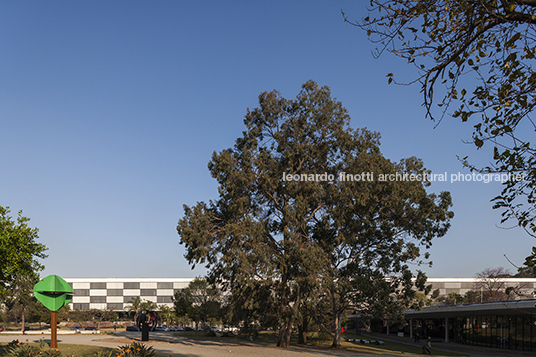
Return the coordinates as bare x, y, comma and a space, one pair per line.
291, 217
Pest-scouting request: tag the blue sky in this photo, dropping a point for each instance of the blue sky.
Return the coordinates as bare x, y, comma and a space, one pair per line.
111, 110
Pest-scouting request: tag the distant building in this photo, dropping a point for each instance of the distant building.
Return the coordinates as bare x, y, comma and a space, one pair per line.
115, 293
463, 285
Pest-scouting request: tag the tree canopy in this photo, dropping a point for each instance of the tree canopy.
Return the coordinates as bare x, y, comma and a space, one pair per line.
304, 217
19, 251
474, 61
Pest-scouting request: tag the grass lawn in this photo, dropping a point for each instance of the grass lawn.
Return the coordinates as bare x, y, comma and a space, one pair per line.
322, 342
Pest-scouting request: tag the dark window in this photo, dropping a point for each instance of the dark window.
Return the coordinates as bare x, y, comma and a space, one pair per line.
114, 292
148, 292
131, 285
81, 306
97, 299
164, 285
81, 292
97, 285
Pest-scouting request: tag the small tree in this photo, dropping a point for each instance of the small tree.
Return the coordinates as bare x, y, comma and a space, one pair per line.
18, 299
19, 265
199, 301
148, 305
19, 252
134, 306
491, 284
454, 299
182, 304
166, 314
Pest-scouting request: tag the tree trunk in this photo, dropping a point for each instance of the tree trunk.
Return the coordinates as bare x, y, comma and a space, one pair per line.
303, 328
337, 335
22, 319
286, 316
285, 331
336, 319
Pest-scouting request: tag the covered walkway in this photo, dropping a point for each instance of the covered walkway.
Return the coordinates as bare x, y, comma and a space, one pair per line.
506, 325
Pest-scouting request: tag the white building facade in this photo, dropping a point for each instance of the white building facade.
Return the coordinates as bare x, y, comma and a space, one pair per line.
115, 293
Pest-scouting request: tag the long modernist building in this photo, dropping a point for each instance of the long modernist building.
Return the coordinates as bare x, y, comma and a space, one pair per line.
462, 285
115, 293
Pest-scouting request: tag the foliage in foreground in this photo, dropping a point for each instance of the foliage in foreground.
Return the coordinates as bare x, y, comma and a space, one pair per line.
136, 349
475, 61
18, 349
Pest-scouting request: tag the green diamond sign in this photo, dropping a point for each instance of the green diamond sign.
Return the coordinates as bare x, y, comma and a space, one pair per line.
53, 292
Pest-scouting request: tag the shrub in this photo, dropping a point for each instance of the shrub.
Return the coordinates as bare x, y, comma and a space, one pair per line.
104, 353
12, 344
136, 349
18, 349
22, 350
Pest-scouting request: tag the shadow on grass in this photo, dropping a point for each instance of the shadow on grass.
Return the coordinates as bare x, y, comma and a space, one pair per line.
318, 342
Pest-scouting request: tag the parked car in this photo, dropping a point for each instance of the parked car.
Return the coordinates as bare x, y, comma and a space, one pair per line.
161, 328
91, 328
177, 328
76, 329
189, 328
132, 328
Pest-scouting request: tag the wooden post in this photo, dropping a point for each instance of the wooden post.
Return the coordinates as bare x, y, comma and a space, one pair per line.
53, 329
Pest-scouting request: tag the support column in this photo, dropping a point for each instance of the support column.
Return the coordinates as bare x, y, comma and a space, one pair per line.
387, 328
446, 329
411, 328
